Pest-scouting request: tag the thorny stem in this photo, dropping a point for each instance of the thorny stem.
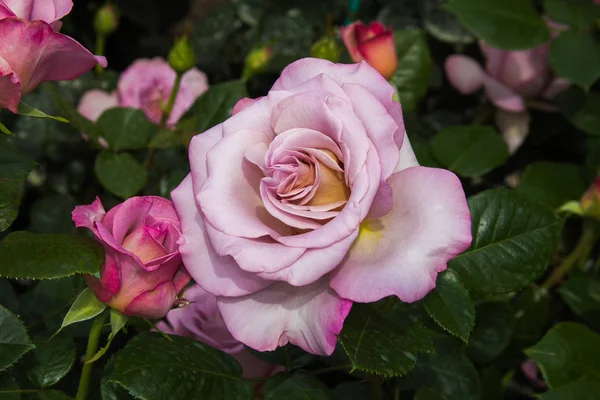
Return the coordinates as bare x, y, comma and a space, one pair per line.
580, 253
92, 347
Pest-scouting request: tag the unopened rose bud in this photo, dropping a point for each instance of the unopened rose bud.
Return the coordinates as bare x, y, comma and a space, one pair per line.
373, 44
590, 201
326, 48
106, 20
182, 57
142, 273
257, 61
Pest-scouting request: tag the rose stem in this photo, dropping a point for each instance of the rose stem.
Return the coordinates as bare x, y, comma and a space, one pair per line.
92, 347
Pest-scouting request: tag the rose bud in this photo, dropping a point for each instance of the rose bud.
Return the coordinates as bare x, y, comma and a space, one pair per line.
142, 273
106, 20
374, 44
590, 201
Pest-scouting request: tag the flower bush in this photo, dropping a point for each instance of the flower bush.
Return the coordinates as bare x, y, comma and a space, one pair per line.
371, 200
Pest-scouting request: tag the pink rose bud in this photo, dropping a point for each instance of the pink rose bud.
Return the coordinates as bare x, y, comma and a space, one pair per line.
590, 201
142, 272
373, 44
32, 51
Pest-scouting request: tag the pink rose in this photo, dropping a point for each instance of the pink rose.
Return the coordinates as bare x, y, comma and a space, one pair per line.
142, 272
147, 85
310, 198
509, 77
374, 44
201, 320
32, 51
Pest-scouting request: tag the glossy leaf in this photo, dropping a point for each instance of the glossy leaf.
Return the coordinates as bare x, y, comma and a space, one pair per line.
14, 342
493, 329
14, 168
297, 386
151, 367
568, 351
383, 343
551, 183
586, 388
27, 255
29, 111
447, 372
573, 13
507, 24
450, 306
514, 240
582, 294
412, 76
125, 128
85, 307
581, 109
575, 56
120, 174
469, 151
53, 359
443, 25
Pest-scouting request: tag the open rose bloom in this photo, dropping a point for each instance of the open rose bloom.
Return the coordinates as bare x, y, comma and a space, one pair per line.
147, 84
309, 199
142, 273
510, 78
201, 320
32, 50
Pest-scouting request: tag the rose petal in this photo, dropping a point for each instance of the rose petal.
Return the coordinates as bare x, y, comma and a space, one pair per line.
219, 275
310, 317
502, 96
193, 84
464, 73
348, 34
88, 216
401, 253
243, 103
94, 102
514, 128
407, 156
154, 303
556, 87
37, 54
10, 87
45, 10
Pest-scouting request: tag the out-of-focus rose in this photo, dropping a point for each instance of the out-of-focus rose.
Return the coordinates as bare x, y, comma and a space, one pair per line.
590, 200
310, 198
374, 44
142, 272
201, 320
509, 79
147, 85
32, 51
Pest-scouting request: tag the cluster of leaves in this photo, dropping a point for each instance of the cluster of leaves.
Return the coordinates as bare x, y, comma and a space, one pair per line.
466, 340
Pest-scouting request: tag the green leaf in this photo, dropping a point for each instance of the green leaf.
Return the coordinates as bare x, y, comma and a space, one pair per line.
53, 360
85, 307
384, 343
152, 368
448, 372
289, 355
586, 388
470, 151
4, 129
582, 294
10, 198
14, 342
297, 386
507, 24
450, 306
514, 240
551, 183
212, 108
29, 111
573, 13
567, 352
493, 329
581, 109
166, 138
14, 166
412, 78
443, 25
27, 255
48, 395
125, 128
423, 153
9, 390
120, 174
575, 56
